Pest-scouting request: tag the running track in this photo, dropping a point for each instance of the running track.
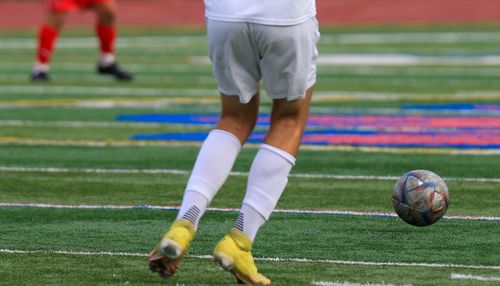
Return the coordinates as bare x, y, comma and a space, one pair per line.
29, 13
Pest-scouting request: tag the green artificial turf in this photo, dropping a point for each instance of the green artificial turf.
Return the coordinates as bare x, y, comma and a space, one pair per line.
68, 130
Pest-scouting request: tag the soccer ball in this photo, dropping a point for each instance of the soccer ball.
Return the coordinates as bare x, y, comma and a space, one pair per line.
420, 197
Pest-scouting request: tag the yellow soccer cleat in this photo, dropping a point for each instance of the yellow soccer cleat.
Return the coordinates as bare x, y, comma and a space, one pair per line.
166, 257
233, 253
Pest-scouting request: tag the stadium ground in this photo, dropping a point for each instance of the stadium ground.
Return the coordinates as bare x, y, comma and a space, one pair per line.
82, 201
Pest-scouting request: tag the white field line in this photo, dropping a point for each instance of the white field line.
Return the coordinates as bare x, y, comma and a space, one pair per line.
79, 66
272, 259
147, 143
106, 91
287, 211
370, 59
460, 276
126, 124
16, 70
410, 37
104, 103
238, 174
339, 39
347, 283
95, 78
95, 144
150, 42
405, 60
78, 124
120, 91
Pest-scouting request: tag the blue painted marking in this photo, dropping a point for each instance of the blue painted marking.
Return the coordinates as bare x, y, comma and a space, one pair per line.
258, 136
357, 130
194, 119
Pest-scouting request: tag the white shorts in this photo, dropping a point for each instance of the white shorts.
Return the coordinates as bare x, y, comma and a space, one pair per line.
284, 57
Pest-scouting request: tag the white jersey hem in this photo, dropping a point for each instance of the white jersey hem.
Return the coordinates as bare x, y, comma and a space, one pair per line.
258, 20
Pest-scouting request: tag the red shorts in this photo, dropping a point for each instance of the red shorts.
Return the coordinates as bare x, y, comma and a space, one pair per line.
70, 5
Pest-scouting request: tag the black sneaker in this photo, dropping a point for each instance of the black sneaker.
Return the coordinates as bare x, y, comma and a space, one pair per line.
40, 76
115, 71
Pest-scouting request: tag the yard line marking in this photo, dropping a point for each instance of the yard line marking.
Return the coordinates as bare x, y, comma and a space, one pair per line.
460, 276
149, 143
156, 102
272, 259
150, 42
165, 78
405, 60
80, 253
288, 211
372, 59
137, 67
16, 69
176, 92
95, 124
327, 39
238, 174
409, 37
347, 283
106, 102
383, 96
106, 91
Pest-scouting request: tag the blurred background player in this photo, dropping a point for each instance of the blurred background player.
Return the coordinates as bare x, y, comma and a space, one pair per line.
248, 41
57, 11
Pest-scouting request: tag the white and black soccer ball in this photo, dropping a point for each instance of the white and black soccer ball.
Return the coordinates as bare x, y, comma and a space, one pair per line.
420, 197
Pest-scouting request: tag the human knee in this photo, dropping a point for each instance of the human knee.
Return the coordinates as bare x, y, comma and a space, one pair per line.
287, 118
107, 18
56, 20
241, 123
290, 113
106, 14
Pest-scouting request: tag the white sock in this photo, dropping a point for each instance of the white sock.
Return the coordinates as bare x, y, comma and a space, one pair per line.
249, 221
40, 67
193, 203
266, 181
106, 59
213, 164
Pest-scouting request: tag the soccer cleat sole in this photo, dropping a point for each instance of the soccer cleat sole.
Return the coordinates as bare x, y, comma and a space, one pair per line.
162, 265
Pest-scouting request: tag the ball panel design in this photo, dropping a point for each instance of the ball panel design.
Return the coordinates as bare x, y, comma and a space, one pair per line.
420, 197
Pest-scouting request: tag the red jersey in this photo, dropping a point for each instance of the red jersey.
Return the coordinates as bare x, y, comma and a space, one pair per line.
69, 5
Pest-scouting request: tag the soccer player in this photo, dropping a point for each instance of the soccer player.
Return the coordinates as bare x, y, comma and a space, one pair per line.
105, 11
249, 41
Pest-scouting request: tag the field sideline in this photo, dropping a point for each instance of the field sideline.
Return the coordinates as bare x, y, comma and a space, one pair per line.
83, 198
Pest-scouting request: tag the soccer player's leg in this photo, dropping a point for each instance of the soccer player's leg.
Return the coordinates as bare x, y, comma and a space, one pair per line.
222, 146
165, 258
267, 180
47, 37
106, 33
234, 254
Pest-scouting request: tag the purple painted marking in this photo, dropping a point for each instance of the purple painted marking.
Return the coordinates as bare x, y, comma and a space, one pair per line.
359, 130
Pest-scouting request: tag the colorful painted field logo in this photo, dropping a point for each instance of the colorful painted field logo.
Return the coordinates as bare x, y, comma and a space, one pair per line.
356, 130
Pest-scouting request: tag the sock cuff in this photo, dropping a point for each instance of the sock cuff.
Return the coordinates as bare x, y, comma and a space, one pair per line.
107, 59
260, 201
202, 187
244, 204
41, 67
207, 200
285, 155
230, 136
